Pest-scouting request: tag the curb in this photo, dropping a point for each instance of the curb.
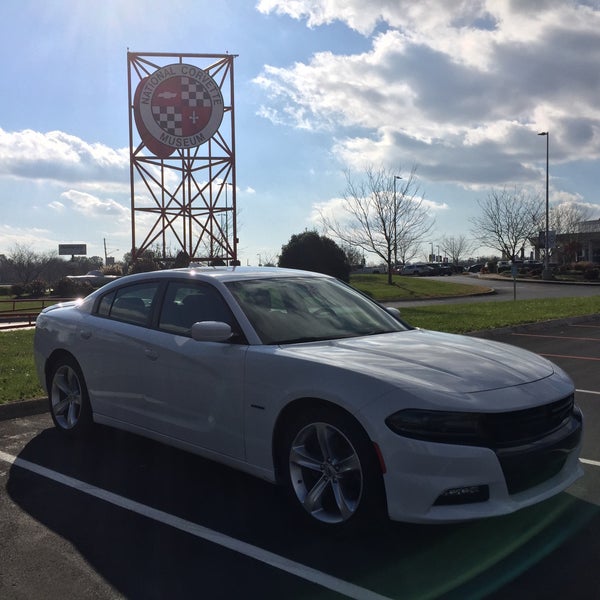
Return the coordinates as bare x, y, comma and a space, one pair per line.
525, 327
23, 408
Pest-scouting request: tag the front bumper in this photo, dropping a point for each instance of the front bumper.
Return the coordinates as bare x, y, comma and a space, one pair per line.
419, 473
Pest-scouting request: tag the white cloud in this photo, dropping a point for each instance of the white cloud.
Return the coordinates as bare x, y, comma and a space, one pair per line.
459, 88
60, 157
34, 237
93, 207
57, 206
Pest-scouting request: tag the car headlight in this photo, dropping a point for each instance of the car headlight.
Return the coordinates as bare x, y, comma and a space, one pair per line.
446, 427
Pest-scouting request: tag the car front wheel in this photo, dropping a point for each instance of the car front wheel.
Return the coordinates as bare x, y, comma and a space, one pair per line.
332, 470
68, 397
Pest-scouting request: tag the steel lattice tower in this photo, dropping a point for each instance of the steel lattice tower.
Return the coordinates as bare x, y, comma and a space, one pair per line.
184, 201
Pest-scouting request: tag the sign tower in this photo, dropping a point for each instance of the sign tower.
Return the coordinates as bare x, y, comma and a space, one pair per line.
182, 156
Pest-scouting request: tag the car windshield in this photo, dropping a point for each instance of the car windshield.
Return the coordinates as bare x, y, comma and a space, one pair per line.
305, 309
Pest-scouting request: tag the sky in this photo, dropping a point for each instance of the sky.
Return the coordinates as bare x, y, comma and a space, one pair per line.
458, 89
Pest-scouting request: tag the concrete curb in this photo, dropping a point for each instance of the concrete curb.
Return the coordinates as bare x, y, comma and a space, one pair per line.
526, 327
23, 408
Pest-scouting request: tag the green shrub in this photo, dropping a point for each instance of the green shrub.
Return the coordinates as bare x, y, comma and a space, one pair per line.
582, 266
36, 288
17, 289
69, 288
115, 269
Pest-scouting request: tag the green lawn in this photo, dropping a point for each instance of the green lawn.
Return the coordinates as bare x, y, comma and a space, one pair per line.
18, 380
475, 316
411, 288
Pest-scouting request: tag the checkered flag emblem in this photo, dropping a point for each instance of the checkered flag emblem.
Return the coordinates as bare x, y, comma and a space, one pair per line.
181, 106
169, 119
194, 94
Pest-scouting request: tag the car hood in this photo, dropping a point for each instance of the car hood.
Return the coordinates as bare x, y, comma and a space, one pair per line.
427, 358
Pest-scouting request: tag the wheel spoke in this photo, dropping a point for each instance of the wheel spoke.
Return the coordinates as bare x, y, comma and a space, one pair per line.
73, 413
348, 464
61, 407
345, 505
314, 498
300, 457
62, 383
323, 437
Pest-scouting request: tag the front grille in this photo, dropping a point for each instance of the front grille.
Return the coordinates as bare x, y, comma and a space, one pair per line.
531, 464
502, 430
533, 445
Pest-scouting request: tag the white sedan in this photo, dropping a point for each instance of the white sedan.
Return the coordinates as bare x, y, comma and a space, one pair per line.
299, 379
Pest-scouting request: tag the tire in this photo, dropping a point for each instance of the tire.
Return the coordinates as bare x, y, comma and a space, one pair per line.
332, 473
68, 397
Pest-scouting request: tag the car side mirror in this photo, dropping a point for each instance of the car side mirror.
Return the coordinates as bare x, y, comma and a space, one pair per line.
211, 331
394, 312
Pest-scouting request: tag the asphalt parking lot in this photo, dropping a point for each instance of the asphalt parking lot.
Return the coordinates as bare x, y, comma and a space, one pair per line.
123, 517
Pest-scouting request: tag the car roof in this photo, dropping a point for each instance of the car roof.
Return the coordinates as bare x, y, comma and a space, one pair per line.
223, 274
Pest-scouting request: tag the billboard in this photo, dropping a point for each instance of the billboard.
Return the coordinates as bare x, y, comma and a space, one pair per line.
72, 249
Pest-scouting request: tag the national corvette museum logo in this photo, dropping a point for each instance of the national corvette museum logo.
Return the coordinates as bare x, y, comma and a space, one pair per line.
177, 107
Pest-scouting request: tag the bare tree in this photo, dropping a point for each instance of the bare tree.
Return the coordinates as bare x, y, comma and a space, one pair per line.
456, 247
382, 214
27, 264
354, 256
565, 219
508, 219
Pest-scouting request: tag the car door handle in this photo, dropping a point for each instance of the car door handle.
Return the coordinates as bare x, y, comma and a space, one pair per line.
150, 353
85, 334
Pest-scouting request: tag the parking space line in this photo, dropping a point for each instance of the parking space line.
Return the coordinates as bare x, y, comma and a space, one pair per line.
595, 463
274, 560
569, 356
588, 392
557, 337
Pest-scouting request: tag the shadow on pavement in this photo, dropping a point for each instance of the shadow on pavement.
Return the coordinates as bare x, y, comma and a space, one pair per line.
544, 550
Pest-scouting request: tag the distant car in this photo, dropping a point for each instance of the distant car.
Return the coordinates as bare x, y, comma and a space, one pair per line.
503, 265
95, 278
533, 267
416, 269
440, 268
474, 268
299, 379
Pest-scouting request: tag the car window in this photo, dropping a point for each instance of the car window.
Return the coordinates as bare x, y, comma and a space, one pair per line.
187, 303
131, 304
297, 309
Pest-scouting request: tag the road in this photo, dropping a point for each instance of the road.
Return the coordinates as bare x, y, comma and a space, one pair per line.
505, 290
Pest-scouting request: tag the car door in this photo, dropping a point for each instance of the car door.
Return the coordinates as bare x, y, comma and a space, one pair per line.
114, 362
195, 388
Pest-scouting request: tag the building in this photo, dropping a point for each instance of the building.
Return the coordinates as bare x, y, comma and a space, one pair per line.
588, 238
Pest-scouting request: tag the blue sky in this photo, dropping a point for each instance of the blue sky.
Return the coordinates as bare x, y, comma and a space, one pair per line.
458, 89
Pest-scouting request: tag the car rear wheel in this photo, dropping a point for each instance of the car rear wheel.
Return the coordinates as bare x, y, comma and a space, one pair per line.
68, 397
332, 472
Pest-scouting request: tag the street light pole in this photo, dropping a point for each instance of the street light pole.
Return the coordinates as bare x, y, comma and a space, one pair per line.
395, 223
546, 273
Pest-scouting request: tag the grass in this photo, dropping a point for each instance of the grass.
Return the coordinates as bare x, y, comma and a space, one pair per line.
475, 316
18, 380
411, 288
25, 305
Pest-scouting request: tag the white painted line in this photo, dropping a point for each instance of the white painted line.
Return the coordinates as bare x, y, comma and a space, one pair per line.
588, 392
587, 461
279, 562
